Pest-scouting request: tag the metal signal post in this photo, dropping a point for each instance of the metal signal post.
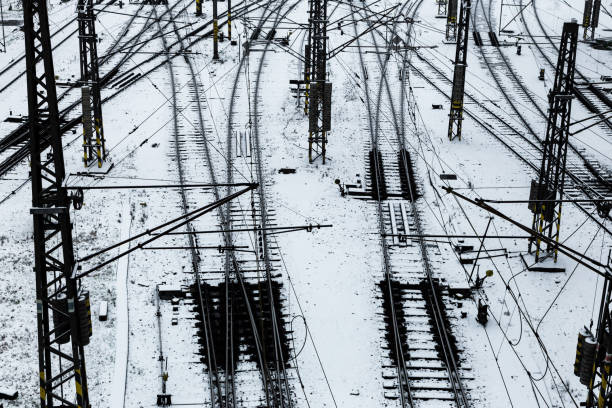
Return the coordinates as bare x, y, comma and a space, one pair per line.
456, 109
59, 311
215, 31
547, 214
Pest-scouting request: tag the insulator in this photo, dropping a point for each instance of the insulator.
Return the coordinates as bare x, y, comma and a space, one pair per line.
588, 358
582, 335
85, 327
61, 319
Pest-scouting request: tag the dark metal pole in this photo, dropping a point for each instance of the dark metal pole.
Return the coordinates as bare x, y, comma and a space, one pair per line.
56, 289
229, 20
215, 31
93, 129
456, 110
3, 34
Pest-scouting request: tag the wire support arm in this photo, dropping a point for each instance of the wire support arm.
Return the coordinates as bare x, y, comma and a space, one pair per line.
584, 260
186, 218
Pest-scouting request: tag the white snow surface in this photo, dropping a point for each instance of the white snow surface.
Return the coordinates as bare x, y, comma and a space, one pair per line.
330, 276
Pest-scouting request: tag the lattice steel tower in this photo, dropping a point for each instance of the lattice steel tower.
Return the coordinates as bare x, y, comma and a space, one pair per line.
319, 91
56, 290
456, 109
549, 187
93, 129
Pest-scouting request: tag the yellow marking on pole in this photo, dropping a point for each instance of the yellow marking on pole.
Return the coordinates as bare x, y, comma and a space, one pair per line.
229, 24
604, 385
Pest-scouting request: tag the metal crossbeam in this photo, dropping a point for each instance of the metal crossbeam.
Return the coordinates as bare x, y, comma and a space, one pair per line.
56, 290
547, 215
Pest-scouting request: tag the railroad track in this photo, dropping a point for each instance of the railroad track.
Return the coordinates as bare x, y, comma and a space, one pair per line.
233, 302
595, 180
179, 150
16, 143
244, 157
580, 164
14, 147
422, 368
591, 96
20, 61
581, 180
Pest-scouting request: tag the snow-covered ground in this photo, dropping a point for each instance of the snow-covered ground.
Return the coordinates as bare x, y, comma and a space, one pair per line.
523, 357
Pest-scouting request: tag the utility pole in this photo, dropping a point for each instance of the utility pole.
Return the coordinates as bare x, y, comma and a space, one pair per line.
57, 300
549, 187
456, 109
586, 17
93, 145
451, 21
307, 66
198, 5
3, 49
590, 17
229, 20
215, 32
319, 90
595, 17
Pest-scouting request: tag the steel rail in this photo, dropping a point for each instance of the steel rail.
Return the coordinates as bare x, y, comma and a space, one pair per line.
221, 398
14, 63
598, 94
451, 365
404, 388
20, 135
231, 260
281, 384
589, 167
578, 183
202, 298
